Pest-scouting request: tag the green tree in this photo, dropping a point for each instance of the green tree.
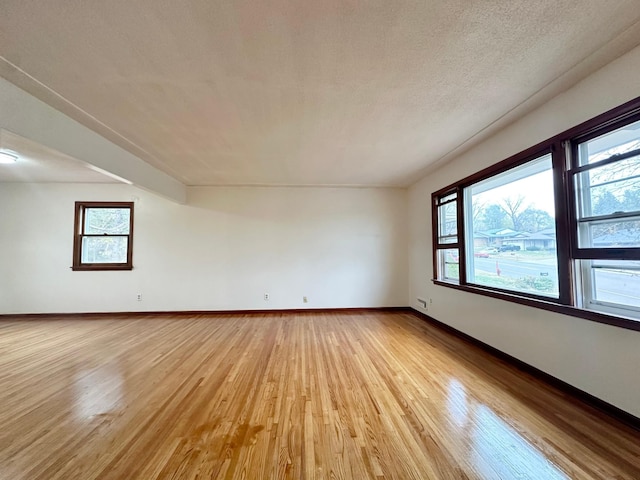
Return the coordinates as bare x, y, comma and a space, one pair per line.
632, 199
513, 207
494, 216
606, 203
533, 220
107, 220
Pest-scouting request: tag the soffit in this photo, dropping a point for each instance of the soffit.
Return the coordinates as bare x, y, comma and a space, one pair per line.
39, 164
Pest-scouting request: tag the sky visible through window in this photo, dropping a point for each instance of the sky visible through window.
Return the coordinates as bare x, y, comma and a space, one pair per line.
513, 230
537, 190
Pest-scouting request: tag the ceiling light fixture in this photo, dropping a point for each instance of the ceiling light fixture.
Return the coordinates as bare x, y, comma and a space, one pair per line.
7, 157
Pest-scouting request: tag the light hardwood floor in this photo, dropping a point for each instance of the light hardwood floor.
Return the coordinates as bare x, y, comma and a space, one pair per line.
317, 395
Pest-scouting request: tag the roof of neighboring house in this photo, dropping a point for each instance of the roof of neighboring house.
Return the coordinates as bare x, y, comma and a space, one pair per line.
551, 232
540, 236
498, 233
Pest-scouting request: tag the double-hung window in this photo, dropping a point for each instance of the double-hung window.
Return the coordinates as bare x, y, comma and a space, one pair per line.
103, 237
606, 182
556, 226
447, 246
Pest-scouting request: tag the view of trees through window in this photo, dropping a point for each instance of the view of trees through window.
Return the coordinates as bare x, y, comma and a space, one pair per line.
513, 230
506, 244
608, 201
105, 237
610, 190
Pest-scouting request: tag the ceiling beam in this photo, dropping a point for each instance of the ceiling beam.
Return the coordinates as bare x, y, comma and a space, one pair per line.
25, 115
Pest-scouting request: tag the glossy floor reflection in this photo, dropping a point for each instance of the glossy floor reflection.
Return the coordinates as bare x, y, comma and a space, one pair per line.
300, 396
496, 449
98, 391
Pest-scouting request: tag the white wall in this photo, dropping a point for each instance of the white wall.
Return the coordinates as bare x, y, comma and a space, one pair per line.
599, 359
341, 247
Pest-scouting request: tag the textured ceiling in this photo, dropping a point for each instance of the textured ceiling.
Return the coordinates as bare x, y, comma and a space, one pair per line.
281, 92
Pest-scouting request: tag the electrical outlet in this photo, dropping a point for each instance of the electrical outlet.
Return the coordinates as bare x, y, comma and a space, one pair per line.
266, 297
430, 301
139, 297
305, 300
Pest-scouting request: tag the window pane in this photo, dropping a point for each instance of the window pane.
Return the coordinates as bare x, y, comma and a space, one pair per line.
623, 140
613, 282
114, 221
447, 198
447, 223
510, 219
610, 234
104, 249
449, 264
610, 189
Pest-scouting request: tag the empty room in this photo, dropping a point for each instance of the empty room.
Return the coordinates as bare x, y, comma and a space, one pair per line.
319, 240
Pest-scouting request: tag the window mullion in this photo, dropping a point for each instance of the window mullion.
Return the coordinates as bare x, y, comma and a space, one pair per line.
462, 256
561, 181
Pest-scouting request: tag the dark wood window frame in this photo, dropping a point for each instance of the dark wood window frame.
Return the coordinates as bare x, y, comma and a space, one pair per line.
439, 243
563, 149
79, 234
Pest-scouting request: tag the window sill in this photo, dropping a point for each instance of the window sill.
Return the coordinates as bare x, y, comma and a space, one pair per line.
90, 268
591, 315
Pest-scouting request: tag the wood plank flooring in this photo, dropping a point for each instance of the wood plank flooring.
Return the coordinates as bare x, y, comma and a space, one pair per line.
284, 396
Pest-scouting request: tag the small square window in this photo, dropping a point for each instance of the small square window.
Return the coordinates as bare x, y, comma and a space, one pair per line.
103, 237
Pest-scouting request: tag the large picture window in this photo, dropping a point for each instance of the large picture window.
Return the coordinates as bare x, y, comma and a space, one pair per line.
556, 226
510, 225
103, 237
